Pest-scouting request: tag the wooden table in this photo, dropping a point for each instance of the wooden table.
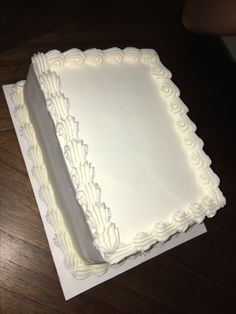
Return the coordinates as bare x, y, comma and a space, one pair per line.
196, 277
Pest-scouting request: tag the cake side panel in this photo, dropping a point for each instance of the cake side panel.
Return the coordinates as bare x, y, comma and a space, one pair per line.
57, 172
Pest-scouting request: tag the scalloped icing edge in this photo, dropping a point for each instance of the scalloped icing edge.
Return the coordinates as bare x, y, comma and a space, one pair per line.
46, 67
62, 239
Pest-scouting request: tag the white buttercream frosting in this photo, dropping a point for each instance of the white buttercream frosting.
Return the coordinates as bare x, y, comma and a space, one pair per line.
56, 74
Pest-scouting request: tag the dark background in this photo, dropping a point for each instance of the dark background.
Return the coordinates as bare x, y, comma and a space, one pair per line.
25, 19
196, 277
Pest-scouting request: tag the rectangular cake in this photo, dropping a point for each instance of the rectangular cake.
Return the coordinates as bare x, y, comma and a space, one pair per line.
118, 162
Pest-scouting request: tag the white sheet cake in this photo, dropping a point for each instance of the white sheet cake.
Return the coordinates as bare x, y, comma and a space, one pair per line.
117, 159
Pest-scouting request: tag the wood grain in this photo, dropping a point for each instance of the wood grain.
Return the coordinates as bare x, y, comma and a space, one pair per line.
196, 277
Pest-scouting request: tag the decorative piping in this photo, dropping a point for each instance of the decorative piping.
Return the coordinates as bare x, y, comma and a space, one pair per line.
73, 262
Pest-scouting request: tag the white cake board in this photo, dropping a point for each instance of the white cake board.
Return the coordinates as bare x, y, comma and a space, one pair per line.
70, 286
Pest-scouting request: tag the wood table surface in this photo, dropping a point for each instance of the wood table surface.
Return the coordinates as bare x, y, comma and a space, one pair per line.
196, 277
